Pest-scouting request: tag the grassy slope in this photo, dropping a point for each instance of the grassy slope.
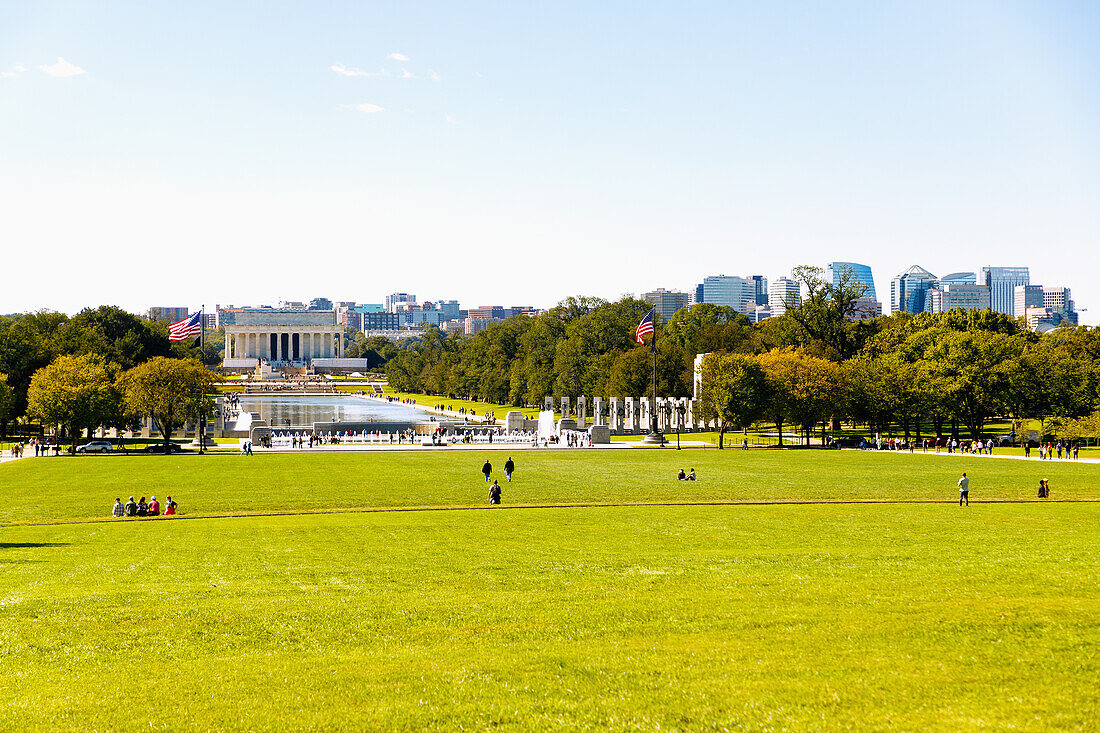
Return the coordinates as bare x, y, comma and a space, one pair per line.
873, 617
83, 487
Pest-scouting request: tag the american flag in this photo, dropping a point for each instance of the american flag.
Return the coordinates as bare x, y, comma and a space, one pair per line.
645, 327
189, 327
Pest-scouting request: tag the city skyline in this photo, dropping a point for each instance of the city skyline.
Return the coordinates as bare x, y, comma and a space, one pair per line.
521, 155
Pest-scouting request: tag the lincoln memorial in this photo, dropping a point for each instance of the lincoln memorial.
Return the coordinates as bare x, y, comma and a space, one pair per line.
283, 337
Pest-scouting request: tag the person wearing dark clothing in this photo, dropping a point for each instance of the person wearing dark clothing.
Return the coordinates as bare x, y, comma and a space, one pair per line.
1044, 489
494, 493
487, 469
681, 476
509, 467
131, 508
143, 508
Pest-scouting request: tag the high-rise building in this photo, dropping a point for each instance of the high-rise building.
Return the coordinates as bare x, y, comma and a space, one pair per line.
449, 309
168, 313
666, 302
696, 295
908, 290
736, 292
861, 273
783, 293
1024, 297
968, 297
865, 309
320, 304
394, 299
959, 278
1059, 300
761, 289
380, 321
1002, 282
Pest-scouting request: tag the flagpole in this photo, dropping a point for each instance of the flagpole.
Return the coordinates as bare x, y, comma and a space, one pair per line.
654, 437
202, 393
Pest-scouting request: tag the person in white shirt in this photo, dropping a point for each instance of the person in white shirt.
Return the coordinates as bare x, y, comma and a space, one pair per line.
964, 490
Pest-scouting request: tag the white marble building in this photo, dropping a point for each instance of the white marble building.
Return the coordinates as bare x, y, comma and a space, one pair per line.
283, 337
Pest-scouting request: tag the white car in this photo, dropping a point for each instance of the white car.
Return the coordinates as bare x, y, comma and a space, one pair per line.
96, 446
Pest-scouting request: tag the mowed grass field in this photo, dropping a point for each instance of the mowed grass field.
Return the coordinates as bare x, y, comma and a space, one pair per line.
816, 616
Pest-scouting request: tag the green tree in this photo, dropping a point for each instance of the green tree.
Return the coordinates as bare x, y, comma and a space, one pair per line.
705, 328
77, 392
26, 345
825, 314
119, 337
7, 400
973, 367
803, 388
170, 391
733, 391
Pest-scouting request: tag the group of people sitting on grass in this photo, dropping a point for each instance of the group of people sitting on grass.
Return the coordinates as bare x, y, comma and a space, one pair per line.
143, 509
686, 476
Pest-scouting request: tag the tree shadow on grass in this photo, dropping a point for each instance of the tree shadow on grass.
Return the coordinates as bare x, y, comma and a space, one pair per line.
16, 545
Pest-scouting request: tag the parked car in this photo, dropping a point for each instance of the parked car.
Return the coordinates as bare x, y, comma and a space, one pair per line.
847, 442
159, 448
1005, 441
95, 446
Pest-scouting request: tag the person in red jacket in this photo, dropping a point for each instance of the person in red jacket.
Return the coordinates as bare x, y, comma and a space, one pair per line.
154, 507
169, 506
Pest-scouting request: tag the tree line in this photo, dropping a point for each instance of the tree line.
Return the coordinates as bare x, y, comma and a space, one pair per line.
913, 374
99, 368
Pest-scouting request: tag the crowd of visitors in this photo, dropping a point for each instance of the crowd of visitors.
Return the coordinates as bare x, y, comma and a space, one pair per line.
40, 446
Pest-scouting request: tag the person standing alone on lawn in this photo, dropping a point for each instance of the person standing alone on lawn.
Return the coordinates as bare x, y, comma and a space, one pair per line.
509, 467
494, 493
487, 469
964, 490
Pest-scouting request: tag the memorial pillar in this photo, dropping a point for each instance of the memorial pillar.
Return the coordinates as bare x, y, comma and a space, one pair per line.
597, 411
564, 407
613, 414
582, 412
548, 403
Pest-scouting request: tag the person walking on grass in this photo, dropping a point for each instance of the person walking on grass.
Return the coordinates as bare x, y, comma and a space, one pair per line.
494, 493
964, 490
487, 469
509, 467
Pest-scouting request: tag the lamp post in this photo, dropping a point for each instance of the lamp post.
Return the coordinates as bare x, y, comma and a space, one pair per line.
680, 408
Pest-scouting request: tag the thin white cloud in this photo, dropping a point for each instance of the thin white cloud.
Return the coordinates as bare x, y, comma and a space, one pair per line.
369, 108
450, 119
406, 74
479, 75
7, 74
345, 71
61, 69
433, 76
398, 57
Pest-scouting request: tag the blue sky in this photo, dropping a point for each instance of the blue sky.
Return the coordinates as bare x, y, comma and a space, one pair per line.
513, 153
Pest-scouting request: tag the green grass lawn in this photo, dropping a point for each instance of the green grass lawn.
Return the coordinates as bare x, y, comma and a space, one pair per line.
85, 486
795, 617
480, 407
